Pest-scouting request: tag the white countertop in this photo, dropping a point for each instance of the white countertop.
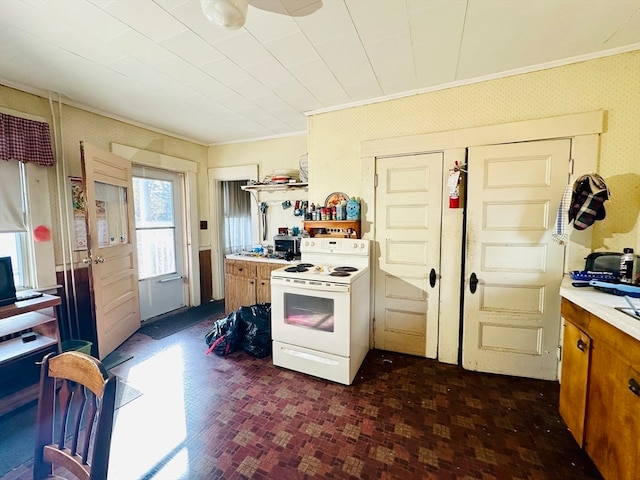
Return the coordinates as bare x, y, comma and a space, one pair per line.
602, 305
257, 258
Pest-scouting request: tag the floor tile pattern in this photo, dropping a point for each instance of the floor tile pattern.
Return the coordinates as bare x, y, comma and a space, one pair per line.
237, 417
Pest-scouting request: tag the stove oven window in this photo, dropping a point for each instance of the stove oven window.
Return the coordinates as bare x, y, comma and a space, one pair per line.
305, 311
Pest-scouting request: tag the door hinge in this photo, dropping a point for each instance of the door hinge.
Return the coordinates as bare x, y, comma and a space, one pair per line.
375, 181
571, 165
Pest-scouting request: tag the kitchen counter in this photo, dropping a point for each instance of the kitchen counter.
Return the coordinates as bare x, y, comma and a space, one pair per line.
602, 305
260, 258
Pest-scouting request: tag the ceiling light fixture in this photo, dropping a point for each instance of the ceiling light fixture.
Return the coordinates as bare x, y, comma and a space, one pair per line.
226, 13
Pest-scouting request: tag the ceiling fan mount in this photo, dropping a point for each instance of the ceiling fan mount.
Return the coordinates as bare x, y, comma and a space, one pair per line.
232, 14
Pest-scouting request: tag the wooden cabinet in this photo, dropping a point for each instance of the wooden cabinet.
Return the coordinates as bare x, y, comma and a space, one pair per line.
333, 228
601, 386
37, 318
247, 283
239, 284
576, 349
263, 281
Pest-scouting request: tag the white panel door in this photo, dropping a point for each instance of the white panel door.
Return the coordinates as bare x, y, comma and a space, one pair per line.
512, 320
407, 231
113, 269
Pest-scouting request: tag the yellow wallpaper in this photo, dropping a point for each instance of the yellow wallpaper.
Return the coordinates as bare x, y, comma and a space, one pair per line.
611, 84
76, 125
269, 155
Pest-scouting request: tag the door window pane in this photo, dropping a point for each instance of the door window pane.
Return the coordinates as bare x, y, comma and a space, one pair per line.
155, 227
156, 252
111, 211
153, 203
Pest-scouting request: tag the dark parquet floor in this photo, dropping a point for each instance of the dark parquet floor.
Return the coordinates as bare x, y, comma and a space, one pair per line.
237, 417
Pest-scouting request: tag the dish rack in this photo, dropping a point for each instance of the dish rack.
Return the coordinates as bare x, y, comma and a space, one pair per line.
587, 276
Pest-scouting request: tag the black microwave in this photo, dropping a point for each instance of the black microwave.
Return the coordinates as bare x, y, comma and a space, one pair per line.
286, 243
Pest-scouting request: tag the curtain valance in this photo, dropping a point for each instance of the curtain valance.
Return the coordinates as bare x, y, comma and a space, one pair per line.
25, 140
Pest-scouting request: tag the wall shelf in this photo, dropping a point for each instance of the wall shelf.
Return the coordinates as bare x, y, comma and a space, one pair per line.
273, 187
333, 228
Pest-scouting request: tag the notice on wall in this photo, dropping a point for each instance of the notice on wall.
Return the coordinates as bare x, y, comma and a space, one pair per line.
78, 209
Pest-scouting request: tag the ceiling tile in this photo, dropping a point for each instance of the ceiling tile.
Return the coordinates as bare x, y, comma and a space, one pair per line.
133, 69
331, 21
182, 71
243, 49
270, 72
192, 48
147, 18
136, 45
250, 89
378, 20
225, 71
292, 50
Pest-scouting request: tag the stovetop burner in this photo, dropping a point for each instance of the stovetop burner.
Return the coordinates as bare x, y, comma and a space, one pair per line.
305, 265
339, 273
345, 269
296, 268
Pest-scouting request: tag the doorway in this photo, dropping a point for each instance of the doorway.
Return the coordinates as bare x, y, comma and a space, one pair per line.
159, 220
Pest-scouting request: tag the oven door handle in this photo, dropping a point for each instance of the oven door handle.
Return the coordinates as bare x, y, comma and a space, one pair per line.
303, 285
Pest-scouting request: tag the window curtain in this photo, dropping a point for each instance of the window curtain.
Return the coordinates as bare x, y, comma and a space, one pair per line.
12, 218
237, 217
25, 140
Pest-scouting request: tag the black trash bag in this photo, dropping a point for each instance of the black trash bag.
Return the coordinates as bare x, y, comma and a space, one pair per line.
226, 335
256, 321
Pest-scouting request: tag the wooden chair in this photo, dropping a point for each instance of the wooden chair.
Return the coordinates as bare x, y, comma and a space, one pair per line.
74, 418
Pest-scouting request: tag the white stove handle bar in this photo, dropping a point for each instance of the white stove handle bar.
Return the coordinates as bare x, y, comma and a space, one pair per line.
309, 284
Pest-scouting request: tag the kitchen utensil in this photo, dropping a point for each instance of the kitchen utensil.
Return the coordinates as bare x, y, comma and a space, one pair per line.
620, 289
263, 210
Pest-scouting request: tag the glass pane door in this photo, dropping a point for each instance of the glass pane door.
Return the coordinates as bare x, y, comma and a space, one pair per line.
159, 226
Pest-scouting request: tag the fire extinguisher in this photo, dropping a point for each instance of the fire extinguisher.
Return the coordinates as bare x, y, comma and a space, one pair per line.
455, 178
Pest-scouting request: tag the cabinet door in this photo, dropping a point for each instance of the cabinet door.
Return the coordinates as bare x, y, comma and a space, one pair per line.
239, 291
612, 436
573, 387
263, 284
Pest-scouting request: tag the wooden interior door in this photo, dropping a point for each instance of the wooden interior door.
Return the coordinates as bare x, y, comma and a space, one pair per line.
113, 277
513, 268
408, 231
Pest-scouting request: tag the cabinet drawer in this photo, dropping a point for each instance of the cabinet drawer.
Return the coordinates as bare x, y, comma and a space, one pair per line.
240, 268
577, 315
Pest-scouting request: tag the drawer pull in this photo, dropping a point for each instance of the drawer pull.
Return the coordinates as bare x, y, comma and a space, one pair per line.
581, 344
634, 386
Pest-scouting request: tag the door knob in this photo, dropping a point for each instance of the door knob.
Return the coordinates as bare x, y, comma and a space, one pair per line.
87, 259
98, 260
432, 278
473, 282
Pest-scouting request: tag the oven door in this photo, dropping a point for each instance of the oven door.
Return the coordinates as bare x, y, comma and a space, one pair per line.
311, 314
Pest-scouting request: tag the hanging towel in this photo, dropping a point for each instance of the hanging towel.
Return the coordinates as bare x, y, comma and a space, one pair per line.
587, 200
561, 229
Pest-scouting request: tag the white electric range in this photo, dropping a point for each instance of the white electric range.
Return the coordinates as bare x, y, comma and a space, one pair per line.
320, 317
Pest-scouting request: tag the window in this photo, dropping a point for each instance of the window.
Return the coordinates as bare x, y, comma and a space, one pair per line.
13, 236
237, 217
25, 155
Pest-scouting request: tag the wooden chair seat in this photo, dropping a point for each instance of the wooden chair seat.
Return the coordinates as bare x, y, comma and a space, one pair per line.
74, 418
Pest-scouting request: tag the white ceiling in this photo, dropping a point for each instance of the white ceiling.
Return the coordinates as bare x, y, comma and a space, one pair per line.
161, 64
